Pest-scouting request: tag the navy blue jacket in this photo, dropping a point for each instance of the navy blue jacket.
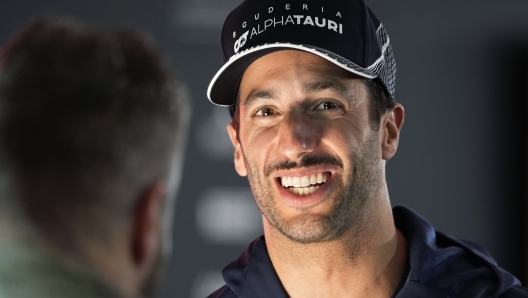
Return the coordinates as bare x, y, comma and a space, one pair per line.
440, 266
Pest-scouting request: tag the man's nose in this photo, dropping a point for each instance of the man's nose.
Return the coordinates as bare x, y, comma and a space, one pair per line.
297, 135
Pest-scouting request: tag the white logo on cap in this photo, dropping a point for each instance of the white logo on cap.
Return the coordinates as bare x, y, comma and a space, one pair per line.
241, 41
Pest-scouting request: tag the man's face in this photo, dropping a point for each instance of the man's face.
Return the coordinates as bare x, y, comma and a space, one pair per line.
305, 143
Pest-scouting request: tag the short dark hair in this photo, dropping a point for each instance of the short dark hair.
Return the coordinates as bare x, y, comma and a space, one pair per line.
379, 103
88, 118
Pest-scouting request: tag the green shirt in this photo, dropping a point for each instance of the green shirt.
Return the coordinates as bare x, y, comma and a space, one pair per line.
27, 271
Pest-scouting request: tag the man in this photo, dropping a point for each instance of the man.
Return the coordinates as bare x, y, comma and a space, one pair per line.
311, 89
92, 126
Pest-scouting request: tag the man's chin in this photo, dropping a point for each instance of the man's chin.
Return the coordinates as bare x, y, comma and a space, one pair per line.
306, 228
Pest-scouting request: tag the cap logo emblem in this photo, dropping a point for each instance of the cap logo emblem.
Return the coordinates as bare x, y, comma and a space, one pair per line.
241, 41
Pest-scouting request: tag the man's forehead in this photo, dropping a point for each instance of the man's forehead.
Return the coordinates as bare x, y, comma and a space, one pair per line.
291, 58
263, 79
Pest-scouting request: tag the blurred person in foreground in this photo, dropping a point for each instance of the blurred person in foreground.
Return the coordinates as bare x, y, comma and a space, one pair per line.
311, 88
92, 128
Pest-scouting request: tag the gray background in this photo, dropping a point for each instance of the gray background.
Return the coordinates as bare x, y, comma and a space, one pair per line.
462, 77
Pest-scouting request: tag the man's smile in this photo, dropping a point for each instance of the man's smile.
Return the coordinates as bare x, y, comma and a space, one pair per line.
304, 185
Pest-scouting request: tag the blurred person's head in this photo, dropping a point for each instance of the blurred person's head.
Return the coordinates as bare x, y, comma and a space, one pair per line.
92, 126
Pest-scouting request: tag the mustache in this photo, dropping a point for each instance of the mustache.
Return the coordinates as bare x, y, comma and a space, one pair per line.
310, 160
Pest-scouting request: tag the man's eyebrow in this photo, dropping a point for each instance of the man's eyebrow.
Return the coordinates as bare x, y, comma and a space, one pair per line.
332, 85
263, 94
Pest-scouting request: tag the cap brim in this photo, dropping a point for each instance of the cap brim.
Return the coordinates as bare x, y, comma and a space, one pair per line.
223, 86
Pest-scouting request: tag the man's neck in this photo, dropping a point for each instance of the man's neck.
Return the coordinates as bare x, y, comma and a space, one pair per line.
365, 264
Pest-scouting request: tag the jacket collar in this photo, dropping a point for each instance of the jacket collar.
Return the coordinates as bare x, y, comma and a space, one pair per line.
438, 265
447, 264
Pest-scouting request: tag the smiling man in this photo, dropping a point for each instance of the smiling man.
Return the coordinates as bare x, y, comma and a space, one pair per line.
311, 89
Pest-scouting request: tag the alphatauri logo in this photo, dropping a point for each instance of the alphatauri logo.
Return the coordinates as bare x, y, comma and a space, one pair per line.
284, 20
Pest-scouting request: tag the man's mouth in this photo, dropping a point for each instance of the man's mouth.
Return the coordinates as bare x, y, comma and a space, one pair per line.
304, 185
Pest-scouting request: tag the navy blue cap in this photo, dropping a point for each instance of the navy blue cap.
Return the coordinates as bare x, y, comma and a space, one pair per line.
344, 32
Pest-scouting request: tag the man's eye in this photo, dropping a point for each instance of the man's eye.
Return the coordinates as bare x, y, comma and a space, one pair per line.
327, 105
266, 111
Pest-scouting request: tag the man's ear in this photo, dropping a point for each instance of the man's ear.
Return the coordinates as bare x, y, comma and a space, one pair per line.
147, 228
240, 166
391, 125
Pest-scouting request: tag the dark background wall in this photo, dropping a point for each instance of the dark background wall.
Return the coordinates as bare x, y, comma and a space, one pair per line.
462, 77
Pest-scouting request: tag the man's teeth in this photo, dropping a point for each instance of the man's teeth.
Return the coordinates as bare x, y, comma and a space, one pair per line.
304, 185
304, 190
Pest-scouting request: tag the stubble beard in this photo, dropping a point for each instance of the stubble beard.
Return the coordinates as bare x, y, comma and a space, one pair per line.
351, 196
